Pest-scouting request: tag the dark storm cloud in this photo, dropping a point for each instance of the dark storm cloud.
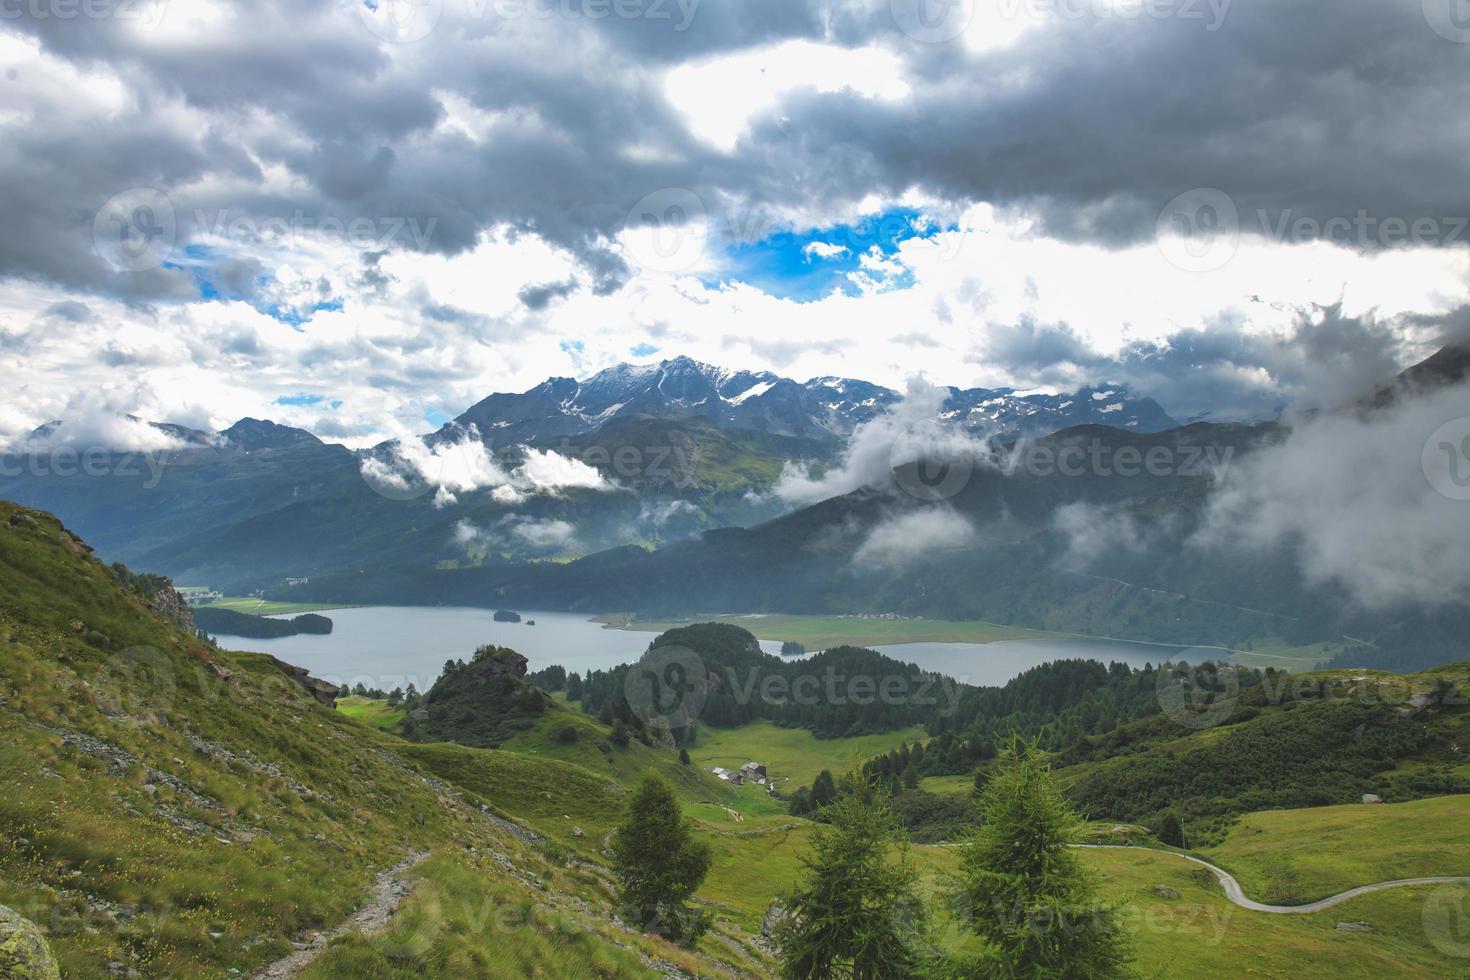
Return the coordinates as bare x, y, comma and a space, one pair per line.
541, 295
1314, 109
68, 310
1323, 360
1318, 109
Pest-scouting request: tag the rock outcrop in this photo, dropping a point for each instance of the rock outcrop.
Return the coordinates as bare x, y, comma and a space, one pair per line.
324, 691
24, 954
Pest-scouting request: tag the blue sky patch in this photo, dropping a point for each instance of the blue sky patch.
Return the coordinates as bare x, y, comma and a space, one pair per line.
808, 265
643, 350
204, 265
302, 399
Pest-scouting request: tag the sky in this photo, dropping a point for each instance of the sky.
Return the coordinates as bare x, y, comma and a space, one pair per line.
362, 218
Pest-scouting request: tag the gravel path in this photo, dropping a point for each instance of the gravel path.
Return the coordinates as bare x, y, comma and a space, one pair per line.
1235, 894
389, 890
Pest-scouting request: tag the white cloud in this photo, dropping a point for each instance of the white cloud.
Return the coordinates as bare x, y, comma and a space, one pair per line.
914, 536
877, 447
451, 467
823, 250
547, 534
660, 514
1353, 496
544, 469
719, 97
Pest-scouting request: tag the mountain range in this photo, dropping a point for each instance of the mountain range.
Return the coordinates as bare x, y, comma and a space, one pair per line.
821, 409
634, 455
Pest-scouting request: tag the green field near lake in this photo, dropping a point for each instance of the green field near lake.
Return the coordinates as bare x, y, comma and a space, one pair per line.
821, 632
268, 607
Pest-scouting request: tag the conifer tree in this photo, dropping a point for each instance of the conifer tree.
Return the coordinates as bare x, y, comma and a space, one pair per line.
1028, 895
659, 864
855, 911
1171, 831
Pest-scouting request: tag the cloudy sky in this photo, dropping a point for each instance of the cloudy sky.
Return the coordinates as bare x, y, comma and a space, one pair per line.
363, 217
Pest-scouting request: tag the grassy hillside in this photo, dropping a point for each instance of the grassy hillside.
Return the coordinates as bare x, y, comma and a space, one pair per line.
1311, 740
1350, 845
183, 811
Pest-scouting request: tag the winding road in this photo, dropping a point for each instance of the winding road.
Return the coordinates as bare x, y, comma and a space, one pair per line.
1234, 893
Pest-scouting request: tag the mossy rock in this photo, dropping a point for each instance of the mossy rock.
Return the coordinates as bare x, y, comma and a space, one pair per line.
24, 954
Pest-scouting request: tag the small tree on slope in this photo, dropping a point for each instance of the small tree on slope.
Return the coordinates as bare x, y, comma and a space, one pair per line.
1028, 896
854, 912
659, 864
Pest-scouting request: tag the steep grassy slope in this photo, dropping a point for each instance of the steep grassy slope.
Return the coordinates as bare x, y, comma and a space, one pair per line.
182, 811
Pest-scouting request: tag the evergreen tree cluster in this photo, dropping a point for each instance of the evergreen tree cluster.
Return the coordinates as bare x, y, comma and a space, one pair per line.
841, 692
857, 910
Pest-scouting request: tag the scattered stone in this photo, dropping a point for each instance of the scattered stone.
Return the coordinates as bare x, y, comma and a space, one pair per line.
577, 832
1354, 927
1164, 891
1371, 798
773, 920
24, 954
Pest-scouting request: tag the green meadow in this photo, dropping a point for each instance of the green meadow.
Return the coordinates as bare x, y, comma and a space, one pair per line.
822, 632
268, 607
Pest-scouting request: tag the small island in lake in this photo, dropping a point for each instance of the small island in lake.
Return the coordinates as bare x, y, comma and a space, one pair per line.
228, 622
506, 616
791, 648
